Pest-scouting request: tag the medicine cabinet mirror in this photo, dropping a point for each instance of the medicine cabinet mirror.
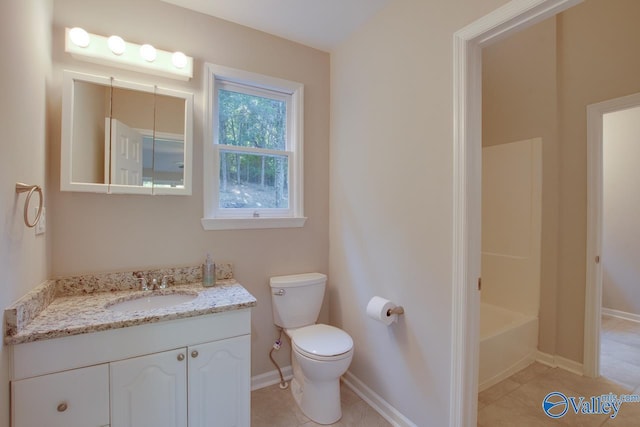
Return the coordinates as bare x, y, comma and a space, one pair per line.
125, 138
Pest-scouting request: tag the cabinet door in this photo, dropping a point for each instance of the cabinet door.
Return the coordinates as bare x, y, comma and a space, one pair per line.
150, 391
220, 383
76, 398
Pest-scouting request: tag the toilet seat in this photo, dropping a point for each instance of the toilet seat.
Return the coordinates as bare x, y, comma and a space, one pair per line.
317, 358
321, 342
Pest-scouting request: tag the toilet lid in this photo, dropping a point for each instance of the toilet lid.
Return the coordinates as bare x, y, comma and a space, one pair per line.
322, 340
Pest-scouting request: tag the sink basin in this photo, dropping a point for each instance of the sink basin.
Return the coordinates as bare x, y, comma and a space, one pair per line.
150, 302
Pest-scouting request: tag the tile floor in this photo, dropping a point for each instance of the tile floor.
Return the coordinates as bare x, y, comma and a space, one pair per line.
273, 407
514, 402
517, 401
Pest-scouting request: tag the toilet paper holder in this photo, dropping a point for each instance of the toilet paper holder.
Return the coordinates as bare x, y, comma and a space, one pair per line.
395, 310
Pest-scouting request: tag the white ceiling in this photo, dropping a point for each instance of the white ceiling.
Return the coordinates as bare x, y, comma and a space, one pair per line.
321, 24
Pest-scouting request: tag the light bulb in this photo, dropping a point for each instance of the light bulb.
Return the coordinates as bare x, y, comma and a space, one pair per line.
117, 45
79, 37
148, 52
179, 59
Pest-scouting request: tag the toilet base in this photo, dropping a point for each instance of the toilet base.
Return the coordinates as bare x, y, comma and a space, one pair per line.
319, 401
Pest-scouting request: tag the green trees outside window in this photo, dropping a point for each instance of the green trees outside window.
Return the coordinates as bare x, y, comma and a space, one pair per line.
253, 129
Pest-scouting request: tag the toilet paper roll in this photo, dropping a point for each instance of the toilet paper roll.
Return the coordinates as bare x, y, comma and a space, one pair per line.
377, 309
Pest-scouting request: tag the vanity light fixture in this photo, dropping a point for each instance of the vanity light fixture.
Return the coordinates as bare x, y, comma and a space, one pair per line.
116, 52
117, 45
148, 52
79, 37
179, 60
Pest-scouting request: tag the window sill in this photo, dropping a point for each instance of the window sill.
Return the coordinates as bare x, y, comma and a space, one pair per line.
251, 223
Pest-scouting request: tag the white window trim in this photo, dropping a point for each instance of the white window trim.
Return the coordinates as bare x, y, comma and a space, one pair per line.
210, 156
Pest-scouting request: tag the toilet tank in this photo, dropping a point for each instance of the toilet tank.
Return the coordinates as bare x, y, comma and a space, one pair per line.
297, 299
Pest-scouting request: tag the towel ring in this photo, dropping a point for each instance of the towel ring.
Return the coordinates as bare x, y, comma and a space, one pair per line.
23, 188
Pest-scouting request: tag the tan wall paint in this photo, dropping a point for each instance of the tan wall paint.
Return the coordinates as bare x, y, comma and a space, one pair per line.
94, 233
391, 198
25, 39
593, 64
596, 43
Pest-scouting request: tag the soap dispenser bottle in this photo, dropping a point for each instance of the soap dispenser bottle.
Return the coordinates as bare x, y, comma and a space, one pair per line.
208, 272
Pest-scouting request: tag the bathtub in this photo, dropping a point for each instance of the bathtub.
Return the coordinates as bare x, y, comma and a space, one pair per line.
508, 343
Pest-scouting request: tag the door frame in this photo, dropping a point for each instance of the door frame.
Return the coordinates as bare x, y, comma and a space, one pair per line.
467, 164
595, 176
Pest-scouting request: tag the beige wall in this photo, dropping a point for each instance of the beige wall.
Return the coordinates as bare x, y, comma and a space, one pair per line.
579, 58
96, 233
391, 198
621, 209
596, 42
25, 43
134, 108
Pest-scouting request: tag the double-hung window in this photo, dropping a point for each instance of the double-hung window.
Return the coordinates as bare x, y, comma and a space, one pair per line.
253, 151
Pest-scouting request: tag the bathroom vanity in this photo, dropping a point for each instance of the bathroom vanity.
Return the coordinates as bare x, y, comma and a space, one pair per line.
82, 361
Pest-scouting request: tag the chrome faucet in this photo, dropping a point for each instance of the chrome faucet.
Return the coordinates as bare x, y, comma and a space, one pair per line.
146, 286
165, 281
143, 284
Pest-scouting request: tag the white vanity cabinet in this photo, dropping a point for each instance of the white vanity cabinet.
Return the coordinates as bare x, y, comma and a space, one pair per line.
151, 391
220, 383
76, 398
192, 372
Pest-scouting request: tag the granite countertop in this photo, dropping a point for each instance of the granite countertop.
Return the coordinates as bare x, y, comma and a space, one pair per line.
55, 309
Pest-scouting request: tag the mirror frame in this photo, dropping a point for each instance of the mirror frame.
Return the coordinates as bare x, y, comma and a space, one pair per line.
66, 158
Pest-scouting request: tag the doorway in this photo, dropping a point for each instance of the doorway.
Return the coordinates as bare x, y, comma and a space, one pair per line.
596, 114
468, 44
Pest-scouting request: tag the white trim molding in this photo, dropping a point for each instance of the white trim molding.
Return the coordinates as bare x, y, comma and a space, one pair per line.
251, 223
556, 361
633, 317
517, 367
381, 406
270, 378
467, 160
293, 216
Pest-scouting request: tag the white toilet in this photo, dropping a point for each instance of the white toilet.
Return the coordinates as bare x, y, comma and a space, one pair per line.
320, 353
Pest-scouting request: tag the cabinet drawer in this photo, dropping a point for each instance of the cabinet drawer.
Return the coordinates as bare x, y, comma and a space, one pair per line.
76, 398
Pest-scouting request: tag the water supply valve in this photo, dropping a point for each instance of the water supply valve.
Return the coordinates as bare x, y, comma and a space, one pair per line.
277, 344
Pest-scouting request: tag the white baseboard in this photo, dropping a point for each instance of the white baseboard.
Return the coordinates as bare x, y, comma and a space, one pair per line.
380, 405
546, 359
518, 366
270, 378
556, 361
621, 314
